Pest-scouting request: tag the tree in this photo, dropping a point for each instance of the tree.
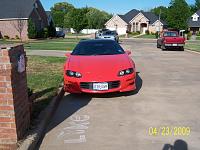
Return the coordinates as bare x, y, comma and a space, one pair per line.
19, 24
197, 4
76, 19
51, 30
193, 9
96, 18
32, 32
178, 14
161, 10
59, 11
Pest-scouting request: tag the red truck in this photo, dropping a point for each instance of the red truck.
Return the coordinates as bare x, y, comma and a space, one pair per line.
170, 39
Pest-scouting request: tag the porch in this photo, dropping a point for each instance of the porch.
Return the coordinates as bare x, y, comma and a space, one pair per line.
141, 27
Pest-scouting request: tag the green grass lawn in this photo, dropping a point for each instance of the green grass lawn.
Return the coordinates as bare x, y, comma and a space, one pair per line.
8, 42
44, 76
74, 34
48, 44
198, 38
149, 36
193, 46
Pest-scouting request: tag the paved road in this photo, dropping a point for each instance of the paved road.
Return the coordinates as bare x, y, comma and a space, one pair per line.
168, 95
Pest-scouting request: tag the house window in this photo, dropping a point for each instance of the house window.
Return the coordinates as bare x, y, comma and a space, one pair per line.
195, 18
35, 5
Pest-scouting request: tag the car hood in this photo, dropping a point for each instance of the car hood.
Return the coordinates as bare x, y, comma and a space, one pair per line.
98, 66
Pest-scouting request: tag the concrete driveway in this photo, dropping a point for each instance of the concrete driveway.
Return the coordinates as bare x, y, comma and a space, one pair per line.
168, 95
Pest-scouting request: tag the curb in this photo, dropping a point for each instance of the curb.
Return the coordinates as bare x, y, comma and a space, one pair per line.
36, 135
138, 39
192, 51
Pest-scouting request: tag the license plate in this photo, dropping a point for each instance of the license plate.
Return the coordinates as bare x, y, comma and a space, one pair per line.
174, 44
100, 86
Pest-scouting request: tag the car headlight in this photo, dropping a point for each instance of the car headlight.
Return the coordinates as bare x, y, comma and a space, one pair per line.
126, 72
73, 74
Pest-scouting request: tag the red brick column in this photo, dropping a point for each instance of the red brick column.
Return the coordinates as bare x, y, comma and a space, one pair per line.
14, 105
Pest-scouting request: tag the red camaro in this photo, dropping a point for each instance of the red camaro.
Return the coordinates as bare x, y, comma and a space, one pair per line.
99, 66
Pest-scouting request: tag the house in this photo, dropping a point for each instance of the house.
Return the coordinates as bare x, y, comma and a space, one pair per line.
14, 16
194, 22
49, 17
136, 21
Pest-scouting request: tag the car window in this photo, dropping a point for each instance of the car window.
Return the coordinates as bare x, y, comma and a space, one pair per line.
109, 33
170, 34
103, 47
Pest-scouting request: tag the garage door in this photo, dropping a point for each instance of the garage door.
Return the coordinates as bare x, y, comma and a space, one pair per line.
120, 31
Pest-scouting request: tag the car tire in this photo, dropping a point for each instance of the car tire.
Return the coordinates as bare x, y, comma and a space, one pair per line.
163, 48
181, 48
158, 46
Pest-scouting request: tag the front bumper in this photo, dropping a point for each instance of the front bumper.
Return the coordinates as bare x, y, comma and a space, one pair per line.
174, 45
120, 84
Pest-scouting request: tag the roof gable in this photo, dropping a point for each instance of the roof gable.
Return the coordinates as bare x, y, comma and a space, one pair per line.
192, 23
130, 15
151, 17
139, 14
116, 16
10, 9
198, 12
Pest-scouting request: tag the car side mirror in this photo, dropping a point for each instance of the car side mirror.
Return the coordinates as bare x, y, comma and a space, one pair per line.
67, 54
128, 52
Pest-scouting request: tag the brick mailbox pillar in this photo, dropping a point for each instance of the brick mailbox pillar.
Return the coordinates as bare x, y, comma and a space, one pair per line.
14, 104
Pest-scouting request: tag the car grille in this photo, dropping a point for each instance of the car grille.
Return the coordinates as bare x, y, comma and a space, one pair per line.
89, 85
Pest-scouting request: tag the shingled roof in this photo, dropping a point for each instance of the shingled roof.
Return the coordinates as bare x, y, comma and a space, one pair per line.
130, 15
149, 15
192, 23
16, 8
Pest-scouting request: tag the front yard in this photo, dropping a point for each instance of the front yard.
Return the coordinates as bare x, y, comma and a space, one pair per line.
44, 75
195, 46
47, 44
147, 36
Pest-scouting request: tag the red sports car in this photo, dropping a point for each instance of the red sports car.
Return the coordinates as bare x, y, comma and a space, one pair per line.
99, 66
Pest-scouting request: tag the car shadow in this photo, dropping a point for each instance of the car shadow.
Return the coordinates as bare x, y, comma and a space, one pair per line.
72, 103
178, 145
69, 105
172, 49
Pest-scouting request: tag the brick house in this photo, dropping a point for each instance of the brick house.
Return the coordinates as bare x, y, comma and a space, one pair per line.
134, 21
194, 22
14, 11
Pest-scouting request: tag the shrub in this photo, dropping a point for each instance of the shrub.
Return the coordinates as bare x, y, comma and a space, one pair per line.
189, 34
40, 34
198, 33
32, 32
17, 37
6, 37
45, 32
51, 30
1, 35
157, 34
147, 32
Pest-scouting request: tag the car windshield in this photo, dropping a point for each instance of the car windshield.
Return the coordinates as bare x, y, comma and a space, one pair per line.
170, 34
109, 33
98, 47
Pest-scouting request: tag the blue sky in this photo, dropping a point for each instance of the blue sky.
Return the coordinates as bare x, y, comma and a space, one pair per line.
113, 6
